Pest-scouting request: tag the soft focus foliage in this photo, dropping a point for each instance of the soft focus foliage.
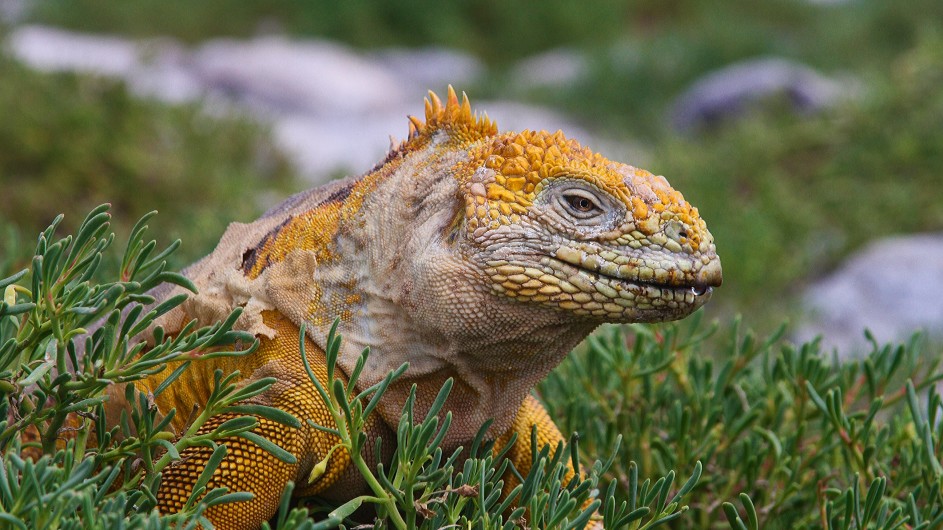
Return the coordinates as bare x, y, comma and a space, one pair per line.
71, 142
491, 28
808, 190
777, 426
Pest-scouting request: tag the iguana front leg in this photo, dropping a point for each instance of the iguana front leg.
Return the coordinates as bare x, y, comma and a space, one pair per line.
532, 414
248, 467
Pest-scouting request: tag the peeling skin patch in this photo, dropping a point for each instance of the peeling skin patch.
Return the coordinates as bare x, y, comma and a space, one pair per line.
313, 229
290, 284
218, 295
250, 258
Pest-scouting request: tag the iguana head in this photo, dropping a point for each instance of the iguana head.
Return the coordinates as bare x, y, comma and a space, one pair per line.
547, 221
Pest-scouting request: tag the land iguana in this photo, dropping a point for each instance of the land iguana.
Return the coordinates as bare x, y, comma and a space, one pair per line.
472, 254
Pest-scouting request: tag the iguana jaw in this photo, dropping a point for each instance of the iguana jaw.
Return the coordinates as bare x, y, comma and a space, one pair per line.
608, 286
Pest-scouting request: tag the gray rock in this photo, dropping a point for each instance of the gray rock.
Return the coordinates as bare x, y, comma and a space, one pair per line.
54, 50
14, 11
430, 68
893, 287
557, 68
316, 77
730, 91
331, 109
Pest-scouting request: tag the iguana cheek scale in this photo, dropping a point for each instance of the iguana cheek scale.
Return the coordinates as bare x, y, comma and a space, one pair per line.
471, 254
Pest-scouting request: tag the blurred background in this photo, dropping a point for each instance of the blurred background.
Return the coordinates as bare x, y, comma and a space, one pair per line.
809, 133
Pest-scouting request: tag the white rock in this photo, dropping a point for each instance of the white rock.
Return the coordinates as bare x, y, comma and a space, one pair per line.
164, 73
331, 109
557, 68
324, 146
154, 69
893, 287
430, 68
54, 50
316, 77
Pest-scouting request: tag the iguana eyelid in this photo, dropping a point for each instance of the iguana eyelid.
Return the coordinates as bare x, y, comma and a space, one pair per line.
569, 195
560, 193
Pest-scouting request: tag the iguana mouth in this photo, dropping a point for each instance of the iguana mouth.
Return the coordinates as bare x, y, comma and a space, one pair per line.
631, 284
698, 289
629, 274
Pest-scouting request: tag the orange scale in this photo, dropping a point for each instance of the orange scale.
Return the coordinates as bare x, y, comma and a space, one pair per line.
515, 183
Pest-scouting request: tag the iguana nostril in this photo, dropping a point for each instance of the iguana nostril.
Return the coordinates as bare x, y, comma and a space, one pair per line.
675, 230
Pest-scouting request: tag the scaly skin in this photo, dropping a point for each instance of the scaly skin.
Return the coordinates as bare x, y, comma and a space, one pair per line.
475, 255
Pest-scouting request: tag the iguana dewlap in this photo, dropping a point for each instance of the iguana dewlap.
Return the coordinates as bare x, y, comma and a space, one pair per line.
471, 254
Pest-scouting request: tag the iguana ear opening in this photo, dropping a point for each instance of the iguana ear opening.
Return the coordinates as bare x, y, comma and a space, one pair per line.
454, 117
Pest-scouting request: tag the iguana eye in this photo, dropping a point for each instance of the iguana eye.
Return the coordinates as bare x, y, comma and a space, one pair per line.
581, 204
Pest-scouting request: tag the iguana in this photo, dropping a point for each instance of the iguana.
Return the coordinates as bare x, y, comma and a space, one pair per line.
472, 254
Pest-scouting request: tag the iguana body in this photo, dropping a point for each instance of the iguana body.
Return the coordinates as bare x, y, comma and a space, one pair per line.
474, 255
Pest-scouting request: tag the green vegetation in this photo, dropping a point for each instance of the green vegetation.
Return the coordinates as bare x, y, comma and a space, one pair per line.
70, 143
772, 434
779, 428
53, 381
425, 488
491, 28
